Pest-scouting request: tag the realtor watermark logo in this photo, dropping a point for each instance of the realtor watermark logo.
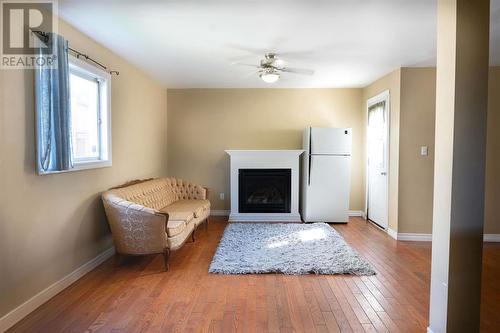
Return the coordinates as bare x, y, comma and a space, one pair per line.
26, 41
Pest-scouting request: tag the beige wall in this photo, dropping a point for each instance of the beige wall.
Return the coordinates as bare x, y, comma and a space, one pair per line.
416, 172
391, 82
52, 224
205, 122
492, 199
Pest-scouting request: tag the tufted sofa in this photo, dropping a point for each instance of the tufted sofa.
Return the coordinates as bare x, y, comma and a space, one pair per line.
155, 215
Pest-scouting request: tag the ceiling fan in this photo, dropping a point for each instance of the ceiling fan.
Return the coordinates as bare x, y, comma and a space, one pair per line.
271, 68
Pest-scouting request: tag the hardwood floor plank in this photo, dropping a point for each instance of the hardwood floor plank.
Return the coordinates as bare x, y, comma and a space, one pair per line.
273, 324
351, 316
335, 307
338, 287
312, 303
331, 322
282, 302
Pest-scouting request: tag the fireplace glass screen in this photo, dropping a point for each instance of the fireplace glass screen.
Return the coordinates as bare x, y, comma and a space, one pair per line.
264, 190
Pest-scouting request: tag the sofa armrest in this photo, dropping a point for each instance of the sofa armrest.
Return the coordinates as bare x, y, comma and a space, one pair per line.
136, 229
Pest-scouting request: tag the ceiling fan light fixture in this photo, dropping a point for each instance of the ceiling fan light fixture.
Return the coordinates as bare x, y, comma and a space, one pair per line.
270, 76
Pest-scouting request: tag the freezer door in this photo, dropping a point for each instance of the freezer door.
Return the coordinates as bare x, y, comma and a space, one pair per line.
328, 189
337, 141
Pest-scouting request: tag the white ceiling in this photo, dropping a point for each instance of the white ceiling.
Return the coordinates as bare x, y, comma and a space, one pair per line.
191, 44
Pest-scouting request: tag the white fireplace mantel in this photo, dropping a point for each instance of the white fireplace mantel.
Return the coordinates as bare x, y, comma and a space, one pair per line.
265, 159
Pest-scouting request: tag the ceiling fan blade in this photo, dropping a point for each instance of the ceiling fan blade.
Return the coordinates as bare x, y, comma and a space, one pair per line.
246, 49
295, 54
250, 74
246, 57
244, 64
302, 71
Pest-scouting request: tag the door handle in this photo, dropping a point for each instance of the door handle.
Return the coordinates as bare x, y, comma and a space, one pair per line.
310, 157
383, 173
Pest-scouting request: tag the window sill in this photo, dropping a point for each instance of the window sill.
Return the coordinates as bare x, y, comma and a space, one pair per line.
80, 166
90, 165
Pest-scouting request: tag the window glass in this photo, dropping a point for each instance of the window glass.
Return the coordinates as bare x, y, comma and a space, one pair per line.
90, 89
85, 114
377, 131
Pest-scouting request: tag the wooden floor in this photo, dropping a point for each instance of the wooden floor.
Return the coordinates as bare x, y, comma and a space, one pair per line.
138, 296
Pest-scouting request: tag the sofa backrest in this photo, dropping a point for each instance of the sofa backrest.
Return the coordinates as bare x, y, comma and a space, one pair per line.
155, 193
158, 193
186, 190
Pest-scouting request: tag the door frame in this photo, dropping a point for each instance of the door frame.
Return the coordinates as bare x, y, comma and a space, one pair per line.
383, 96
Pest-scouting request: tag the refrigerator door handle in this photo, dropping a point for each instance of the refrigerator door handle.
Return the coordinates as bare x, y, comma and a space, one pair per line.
310, 167
310, 156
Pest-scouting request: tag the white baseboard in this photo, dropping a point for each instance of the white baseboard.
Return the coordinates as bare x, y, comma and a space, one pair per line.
428, 237
357, 213
494, 238
414, 237
14, 316
393, 233
219, 212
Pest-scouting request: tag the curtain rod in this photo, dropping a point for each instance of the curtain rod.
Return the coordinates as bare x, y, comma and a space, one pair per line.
78, 53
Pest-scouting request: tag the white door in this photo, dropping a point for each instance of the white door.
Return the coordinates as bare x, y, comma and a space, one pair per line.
328, 189
377, 144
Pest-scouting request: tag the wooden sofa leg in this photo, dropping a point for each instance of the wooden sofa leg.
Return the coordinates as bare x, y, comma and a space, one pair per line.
166, 256
206, 223
193, 236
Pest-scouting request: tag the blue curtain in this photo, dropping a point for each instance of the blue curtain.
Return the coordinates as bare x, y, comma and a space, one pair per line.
53, 111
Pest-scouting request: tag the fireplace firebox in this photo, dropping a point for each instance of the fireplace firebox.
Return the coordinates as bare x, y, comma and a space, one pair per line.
264, 190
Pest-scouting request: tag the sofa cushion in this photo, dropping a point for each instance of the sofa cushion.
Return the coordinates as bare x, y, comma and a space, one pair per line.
178, 215
176, 241
195, 206
175, 227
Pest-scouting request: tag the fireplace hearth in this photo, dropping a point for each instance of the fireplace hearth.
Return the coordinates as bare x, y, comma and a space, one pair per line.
264, 190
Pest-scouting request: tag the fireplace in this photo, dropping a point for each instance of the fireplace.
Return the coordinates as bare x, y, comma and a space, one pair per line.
264, 185
264, 190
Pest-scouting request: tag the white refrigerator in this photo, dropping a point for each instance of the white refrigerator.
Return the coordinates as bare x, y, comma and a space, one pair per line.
326, 174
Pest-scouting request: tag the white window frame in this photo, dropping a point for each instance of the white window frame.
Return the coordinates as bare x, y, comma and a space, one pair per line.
104, 78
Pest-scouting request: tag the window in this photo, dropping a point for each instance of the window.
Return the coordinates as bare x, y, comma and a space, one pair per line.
90, 115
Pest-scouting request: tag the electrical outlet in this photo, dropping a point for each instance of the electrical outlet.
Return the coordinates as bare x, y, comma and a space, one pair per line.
221, 196
424, 150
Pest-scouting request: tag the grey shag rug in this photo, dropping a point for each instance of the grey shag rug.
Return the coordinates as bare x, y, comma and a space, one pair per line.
289, 248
